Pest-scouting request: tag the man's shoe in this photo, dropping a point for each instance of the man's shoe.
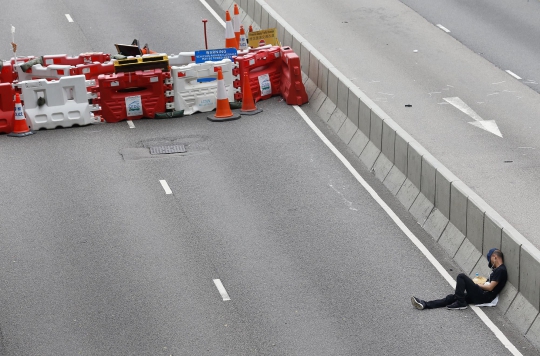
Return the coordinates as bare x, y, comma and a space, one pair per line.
418, 303
457, 305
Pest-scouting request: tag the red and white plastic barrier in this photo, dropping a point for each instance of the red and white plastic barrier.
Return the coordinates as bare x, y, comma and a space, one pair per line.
134, 95
62, 103
181, 59
272, 71
8, 74
38, 71
7, 105
292, 88
83, 58
264, 70
194, 96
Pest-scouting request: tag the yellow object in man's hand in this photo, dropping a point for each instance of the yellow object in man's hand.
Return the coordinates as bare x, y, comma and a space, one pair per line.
479, 280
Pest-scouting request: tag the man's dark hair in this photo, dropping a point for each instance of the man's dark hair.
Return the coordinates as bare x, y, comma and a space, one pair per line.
499, 254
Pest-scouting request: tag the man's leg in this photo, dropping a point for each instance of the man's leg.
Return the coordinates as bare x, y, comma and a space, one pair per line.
465, 284
440, 303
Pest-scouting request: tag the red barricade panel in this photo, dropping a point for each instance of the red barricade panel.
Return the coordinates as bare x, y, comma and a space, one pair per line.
292, 87
6, 73
264, 70
132, 95
7, 106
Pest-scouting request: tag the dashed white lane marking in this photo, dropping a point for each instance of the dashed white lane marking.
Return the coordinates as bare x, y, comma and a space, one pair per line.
209, 8
513, 74
165, 186
131, 124
69, 18
443, 28
498, 333
221, 290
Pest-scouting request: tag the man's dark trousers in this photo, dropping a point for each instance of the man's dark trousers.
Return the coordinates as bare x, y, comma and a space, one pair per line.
474, 295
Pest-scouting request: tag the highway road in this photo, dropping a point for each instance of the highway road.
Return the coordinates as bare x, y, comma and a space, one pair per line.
503, 32
97, 259
398, 58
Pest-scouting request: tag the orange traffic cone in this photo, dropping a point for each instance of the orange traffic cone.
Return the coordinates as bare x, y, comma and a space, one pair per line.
242, 44
20, 127
236, 23
230, 38
248, 104
223, 108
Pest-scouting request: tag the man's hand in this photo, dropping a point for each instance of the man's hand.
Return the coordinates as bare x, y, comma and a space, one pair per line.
489, 287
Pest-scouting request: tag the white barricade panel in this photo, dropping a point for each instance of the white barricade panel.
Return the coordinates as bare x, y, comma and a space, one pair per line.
54, 71
195, 85
61, 103
181, 59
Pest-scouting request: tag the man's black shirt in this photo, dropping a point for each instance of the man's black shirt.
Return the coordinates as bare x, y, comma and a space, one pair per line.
500, 275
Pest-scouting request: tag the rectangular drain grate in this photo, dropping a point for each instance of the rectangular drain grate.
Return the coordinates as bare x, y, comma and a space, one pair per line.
159, 150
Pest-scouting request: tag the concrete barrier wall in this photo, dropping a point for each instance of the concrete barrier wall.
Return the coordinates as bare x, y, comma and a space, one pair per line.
456, 217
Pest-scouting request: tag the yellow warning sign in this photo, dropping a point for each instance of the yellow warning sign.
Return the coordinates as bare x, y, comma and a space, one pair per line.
263, 38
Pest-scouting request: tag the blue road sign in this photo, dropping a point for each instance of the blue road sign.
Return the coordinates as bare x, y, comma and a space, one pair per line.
214, 55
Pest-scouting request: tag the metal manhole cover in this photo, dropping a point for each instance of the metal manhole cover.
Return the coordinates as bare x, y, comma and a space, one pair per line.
159, 150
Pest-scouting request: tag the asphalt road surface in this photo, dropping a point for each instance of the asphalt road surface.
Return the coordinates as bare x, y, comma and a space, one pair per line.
97, 259
399, 58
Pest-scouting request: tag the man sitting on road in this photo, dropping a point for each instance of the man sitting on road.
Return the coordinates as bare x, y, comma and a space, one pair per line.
467, 292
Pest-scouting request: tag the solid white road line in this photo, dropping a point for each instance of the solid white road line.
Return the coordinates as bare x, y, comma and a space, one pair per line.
221, 290
513, 74
504, 340
443, 28
165, 187
209, 8
131, 124
69, 18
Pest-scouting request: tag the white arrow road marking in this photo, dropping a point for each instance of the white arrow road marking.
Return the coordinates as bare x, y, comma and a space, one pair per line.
488, 125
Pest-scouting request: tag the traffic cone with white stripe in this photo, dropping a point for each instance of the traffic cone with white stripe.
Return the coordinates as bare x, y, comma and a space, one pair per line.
242, 44
223, 108
230, 38
248, 104
236, 23
20, 127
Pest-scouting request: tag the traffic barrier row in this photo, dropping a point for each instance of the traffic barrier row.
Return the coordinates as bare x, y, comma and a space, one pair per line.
62, 103
62, 91
195, 85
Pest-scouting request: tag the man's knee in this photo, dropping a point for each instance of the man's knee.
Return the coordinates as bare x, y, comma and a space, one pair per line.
462, 275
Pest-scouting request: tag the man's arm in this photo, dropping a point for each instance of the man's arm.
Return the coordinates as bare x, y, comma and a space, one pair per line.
489, 287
